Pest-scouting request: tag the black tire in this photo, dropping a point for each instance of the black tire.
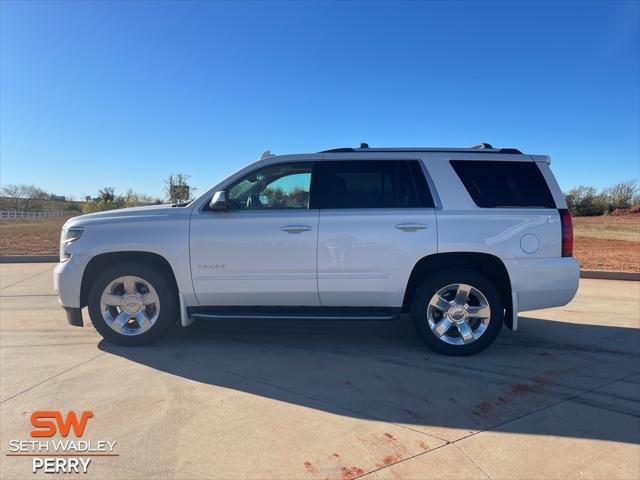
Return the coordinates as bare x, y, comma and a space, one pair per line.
432, 284
165, 289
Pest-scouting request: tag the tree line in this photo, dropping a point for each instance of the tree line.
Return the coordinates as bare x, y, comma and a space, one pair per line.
29, 198
581, 200
586, 201
24, 198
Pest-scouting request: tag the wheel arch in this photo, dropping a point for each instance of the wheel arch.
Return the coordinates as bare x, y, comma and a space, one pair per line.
103, 260
489, 265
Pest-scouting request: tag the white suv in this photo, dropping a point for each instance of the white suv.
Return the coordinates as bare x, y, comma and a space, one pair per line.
462, 239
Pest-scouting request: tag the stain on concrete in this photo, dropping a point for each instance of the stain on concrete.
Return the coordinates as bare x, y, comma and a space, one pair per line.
516, 392
388, 460
351, 472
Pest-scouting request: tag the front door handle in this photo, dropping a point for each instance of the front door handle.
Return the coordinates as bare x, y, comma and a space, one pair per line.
410, 227
296, 228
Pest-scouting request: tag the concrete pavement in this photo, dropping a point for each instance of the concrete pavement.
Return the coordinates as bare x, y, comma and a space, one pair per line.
307, 400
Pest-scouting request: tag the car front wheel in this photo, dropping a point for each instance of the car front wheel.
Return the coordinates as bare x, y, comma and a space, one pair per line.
132, 304
457, 312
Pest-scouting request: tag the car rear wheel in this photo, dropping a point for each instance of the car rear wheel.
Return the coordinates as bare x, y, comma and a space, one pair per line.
457, 312
132, 304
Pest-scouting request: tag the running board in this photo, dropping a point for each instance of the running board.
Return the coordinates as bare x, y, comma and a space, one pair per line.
295, 313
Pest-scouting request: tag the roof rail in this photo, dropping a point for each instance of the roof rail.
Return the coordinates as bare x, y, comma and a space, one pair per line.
480, 148
338, 150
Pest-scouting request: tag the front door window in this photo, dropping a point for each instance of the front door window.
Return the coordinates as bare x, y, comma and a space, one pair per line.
276, 187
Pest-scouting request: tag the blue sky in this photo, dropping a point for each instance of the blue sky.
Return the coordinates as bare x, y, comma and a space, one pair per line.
122, 94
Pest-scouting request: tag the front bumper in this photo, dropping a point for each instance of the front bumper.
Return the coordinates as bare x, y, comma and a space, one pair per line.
67, 280
74, 316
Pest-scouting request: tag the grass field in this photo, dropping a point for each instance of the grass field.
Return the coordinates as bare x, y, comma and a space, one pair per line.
601, 243
610, 227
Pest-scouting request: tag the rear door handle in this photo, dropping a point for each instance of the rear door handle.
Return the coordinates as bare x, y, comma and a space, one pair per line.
410, 227
296, 228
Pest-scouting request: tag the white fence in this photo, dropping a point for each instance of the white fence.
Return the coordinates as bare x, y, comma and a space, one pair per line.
13, 215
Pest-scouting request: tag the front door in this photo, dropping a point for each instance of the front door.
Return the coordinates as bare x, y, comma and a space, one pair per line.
262, 249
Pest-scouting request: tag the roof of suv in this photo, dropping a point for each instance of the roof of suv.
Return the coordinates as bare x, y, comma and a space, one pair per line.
481, 148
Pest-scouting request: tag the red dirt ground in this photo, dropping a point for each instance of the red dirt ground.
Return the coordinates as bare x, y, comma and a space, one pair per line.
604, 254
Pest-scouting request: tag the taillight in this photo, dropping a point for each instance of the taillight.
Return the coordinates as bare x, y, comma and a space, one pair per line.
566, 225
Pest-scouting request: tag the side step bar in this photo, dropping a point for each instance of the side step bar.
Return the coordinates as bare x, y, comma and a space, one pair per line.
295, 313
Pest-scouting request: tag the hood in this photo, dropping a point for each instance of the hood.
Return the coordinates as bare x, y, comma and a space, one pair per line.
149, 210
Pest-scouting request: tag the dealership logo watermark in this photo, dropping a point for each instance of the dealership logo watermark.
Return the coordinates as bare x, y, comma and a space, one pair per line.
65, 455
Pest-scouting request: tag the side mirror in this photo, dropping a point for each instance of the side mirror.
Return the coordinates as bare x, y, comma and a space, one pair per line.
218, 202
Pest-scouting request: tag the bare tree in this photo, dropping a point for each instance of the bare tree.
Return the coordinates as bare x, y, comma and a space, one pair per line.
23, 198
177, 189
14, 194
623, 194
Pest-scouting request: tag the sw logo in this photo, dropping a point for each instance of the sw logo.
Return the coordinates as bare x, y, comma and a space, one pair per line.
45, 425
60, 455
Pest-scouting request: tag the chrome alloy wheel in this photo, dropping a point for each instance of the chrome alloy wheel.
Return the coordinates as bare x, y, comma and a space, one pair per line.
458, 314
130, 305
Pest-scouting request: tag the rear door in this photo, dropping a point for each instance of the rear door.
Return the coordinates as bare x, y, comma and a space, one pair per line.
377, 219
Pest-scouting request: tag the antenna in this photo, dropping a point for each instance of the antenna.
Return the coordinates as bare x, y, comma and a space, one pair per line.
364, 145
266, 154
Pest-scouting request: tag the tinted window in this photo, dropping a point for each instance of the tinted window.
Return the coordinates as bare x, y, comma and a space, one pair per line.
362, 184
504, 184
422, 187
284, 186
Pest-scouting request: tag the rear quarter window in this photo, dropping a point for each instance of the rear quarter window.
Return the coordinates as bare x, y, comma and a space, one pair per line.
504, 184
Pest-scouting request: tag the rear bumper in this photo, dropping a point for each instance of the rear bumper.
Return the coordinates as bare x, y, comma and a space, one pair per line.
543, 282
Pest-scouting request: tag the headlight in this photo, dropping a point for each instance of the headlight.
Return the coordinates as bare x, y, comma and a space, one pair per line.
70, 234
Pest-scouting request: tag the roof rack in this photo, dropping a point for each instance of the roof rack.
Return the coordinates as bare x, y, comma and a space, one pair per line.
480, 148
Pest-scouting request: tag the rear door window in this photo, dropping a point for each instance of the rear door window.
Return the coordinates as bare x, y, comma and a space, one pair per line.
371, 184
504, 184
